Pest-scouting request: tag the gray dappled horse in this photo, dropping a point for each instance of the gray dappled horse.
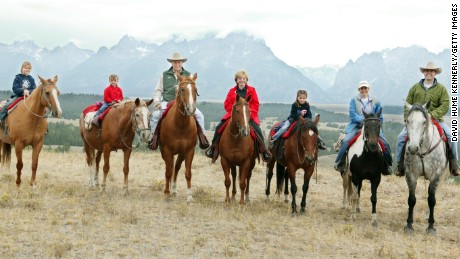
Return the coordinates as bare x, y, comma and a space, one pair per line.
365, 161
425, 156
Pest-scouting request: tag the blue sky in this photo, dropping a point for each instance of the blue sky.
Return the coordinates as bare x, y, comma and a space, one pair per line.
299, 32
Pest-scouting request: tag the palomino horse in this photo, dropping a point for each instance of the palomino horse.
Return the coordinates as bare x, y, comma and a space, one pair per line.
300, 151
237, 149
118, 129
27, 125
178, 134
365, 161
425, 156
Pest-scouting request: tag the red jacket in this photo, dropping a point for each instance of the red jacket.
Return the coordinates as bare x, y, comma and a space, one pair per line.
253, 103
112, 93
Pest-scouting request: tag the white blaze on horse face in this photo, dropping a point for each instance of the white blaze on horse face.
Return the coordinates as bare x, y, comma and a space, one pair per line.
190, 98
56, 101
311, 132
246, 126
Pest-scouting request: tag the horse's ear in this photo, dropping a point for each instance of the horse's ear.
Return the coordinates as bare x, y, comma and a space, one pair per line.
237, 98
364, 113
149, 102
316, 119
42, 80
179, 76
195, 76
55, 79
427, 105
248, 99
407, 105
137, 102
379, 112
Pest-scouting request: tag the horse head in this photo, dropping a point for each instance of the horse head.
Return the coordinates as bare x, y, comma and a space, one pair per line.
371, 132
140, 117
416, 125
241, 114
308, 136
186, 93
49, 96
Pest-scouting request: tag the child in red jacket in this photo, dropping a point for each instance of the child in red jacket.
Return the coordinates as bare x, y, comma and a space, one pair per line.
112, 94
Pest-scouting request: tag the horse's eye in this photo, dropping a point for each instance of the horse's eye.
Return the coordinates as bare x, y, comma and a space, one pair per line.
47, 93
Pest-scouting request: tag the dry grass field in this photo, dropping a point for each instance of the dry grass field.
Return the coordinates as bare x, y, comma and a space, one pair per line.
64, 217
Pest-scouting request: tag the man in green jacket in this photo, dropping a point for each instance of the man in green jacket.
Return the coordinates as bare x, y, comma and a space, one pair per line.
429, 89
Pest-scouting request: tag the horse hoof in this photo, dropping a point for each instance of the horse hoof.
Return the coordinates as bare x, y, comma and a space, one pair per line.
409, 230
286, 201
125, 192
431, 231
375, 224
189, 200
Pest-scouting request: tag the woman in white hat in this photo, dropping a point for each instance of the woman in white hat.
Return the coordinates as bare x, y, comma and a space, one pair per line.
165, 92
363, 101
429, 89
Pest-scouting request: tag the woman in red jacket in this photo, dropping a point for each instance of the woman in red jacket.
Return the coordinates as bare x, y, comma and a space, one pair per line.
243, 90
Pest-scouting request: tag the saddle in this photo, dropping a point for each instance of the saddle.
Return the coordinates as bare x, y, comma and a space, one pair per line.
278, 126
278, 145
89, 115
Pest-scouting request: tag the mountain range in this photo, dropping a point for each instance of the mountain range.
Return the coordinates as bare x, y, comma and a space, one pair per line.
139, 64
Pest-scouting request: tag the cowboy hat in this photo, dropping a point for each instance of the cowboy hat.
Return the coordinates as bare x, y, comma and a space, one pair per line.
177, 57
364, 84
431, 66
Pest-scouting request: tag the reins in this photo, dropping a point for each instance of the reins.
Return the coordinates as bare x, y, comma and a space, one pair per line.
49, 106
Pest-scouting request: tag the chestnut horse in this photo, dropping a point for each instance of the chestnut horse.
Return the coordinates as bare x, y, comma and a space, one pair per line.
178, 134
117, 132
27, 125
299, 151
237, 149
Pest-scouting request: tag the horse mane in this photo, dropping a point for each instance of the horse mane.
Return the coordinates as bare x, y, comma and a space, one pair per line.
308, 124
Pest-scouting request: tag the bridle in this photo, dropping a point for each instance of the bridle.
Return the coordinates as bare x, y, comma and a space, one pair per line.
136, 129
302, 128
240, 128
365, 138
48, 105
186, 111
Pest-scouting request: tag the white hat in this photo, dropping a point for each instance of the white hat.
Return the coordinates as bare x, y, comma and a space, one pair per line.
177, 57
364, 84
431, 66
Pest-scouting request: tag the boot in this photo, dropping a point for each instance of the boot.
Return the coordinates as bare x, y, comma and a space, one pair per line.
386, 168
204, 144
340, 166
153, 143
401, 170
453, 167
321, 144
266, 155
96, 121
210, 151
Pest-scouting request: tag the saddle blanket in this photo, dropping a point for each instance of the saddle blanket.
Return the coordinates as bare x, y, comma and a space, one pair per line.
352, 141
90, 111
278, 125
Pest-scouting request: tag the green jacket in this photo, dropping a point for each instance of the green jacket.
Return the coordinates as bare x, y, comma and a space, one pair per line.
170, 82
437, 94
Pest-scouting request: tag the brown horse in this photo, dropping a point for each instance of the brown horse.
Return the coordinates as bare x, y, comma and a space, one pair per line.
117, 132
299, 151
27, 125
237, 149
178, 134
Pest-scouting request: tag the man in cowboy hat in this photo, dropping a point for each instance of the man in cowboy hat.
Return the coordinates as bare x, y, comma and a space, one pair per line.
429, 89
165, 92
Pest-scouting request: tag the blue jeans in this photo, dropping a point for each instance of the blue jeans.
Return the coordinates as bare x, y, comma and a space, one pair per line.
157, 114
349, 136
102, 109
402, 140
281, 131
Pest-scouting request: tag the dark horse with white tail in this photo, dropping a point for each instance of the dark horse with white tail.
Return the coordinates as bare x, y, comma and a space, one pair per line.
27, 125
425, 156
300, 150
365, 162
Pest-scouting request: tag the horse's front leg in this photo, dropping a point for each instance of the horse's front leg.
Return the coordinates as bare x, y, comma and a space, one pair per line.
243, 184
233, 172
126, 156
306, 182
293, 189
35, 153
374, 185
354, 199
188, 173
169, 167
248, 179
18, 146
180, 158
227, 181
106, 168
98, 161
431, 203
411, 201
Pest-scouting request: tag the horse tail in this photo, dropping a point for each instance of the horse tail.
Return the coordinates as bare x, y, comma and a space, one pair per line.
5, 153
279, 177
